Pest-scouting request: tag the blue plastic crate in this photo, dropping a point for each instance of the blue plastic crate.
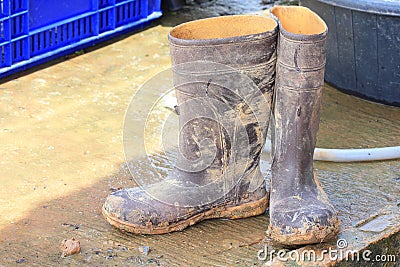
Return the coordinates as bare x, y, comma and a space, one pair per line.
34, 31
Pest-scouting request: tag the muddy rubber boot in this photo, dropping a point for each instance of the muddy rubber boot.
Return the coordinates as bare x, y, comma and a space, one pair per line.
300, 212
224, 98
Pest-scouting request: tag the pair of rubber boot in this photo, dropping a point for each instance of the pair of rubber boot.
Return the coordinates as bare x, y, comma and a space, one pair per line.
224, 76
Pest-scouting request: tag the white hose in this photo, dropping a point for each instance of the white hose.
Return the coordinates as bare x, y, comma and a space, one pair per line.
351, 155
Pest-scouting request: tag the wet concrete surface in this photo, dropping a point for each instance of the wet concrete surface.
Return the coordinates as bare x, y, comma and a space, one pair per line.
62, 154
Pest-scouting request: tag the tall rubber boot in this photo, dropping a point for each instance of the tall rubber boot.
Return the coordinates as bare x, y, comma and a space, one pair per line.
300, 212
224, 97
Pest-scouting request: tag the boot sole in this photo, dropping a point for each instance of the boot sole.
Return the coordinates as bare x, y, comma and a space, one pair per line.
315, 236
234, 212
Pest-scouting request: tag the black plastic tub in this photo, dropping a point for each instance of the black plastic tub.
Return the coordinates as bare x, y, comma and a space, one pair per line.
363, 47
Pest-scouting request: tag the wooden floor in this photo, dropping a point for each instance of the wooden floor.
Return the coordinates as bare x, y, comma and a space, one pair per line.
61, 154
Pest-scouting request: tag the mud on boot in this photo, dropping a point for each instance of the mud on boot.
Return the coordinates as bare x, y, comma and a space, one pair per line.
300, 212
224, 99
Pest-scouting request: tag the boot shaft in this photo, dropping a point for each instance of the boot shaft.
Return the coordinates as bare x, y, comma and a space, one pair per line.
298, 95
224, 93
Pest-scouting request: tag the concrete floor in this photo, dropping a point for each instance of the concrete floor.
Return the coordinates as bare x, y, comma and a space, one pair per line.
61, 154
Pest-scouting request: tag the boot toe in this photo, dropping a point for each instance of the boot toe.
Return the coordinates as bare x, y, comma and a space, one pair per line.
129, 208
133, 210
297, 221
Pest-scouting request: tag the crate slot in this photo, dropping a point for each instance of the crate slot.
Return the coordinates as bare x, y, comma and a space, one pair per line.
4, 8
127, 12
106, 18
19, 50
5, 55
4, 31
18, 5
61, 35
18, 26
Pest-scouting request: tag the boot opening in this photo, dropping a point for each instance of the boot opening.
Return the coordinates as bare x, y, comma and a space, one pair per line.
299, 20
223, 27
